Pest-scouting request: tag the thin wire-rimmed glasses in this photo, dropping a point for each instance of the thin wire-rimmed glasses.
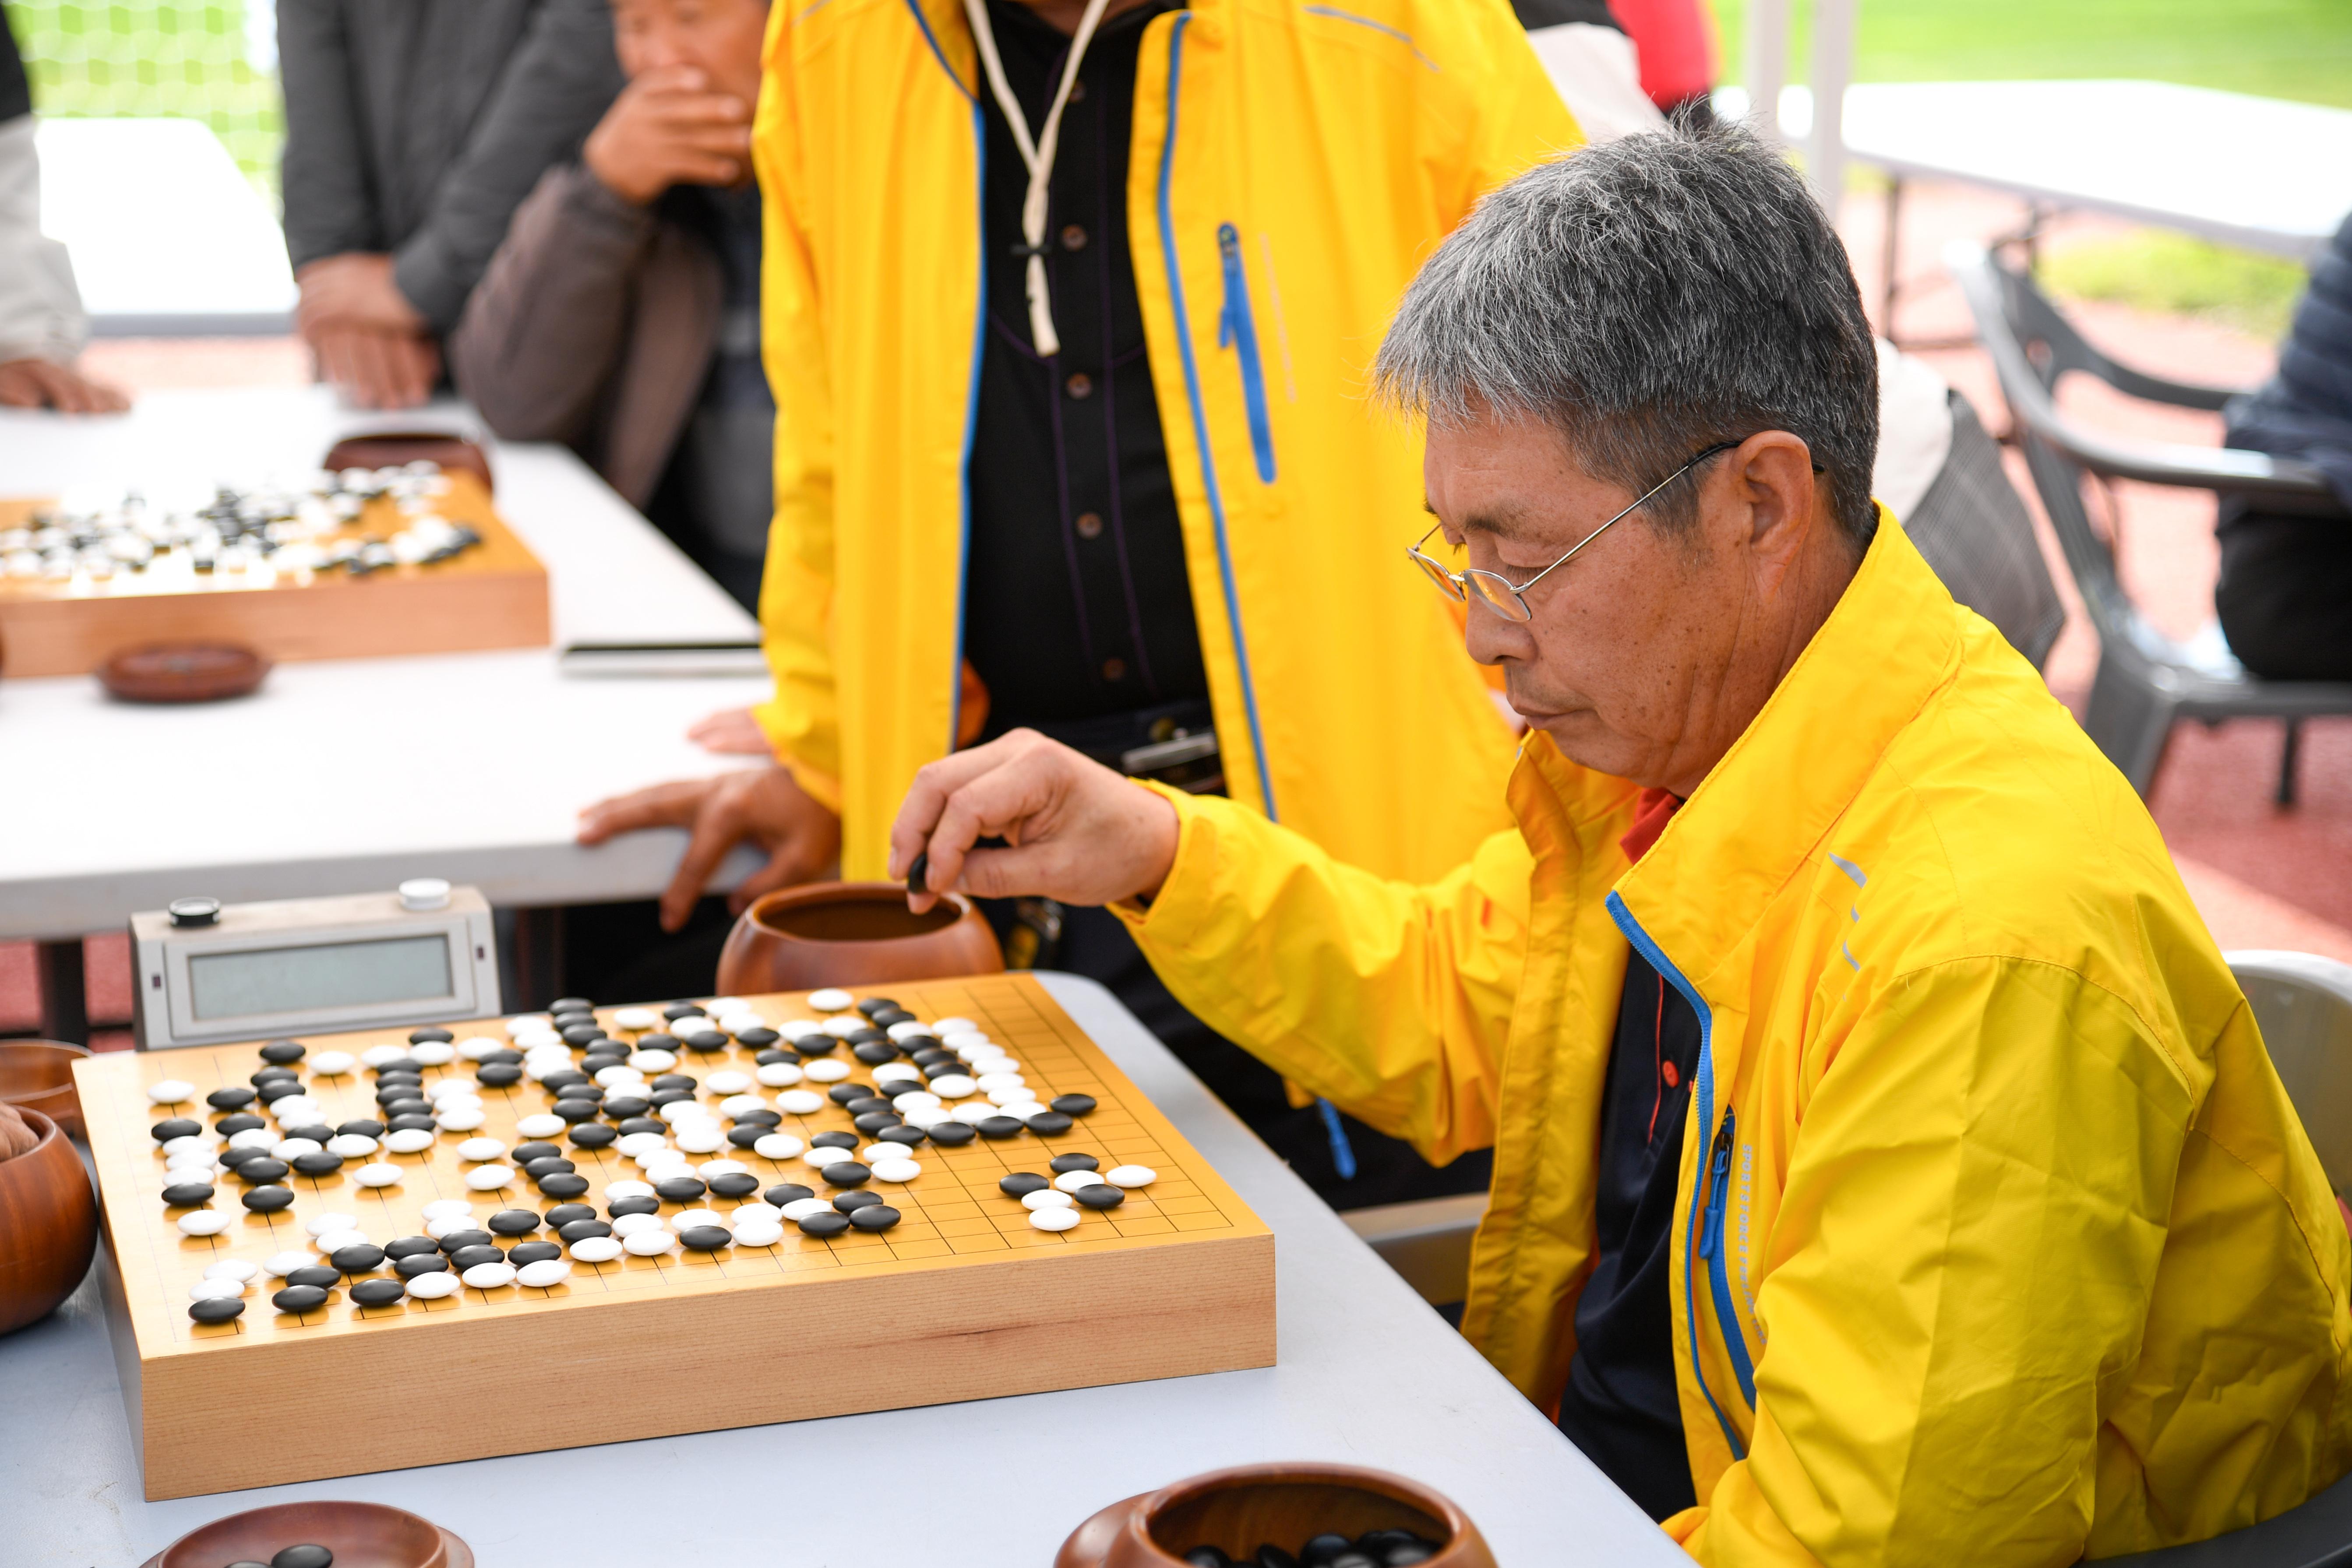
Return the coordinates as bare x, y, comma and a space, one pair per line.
1502, 595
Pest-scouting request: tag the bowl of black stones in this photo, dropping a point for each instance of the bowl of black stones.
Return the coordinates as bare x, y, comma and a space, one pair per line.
322, 1534
1280, 1516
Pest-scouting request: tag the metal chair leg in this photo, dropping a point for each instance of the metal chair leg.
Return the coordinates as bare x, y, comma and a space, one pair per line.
2290, 753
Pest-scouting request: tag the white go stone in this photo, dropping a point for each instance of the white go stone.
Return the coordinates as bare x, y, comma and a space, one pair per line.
481, 1149
1000, 1081
617, 1074
653, 1160
873, 1152
287, 1148
800, 1102
898, 1072
1053, 1219
442, 1209
953, 1086
896, 1170
171, 1090
350, 1145
843, 1027
741, 1023
544, 1125
1030, 1111
1071, 1180
913, 1099
450, 1225
378, 1175
523, 1023
801, 1208
238, 1269
902, 1032
280, 1264
831, 999
595, 1249
630, 1225
957, 1039
792, 1028
652, 1061
927, 1116
637, 1020
728, 1082
474, 1047
712, 1168
432, 1053
1046, 1198
826, 1154
408, 1140
650, 1243
1012, 1097
452, 1087
216, 1290
824, 1069
633, 1143
488, 1276
1130, 1176
538, 1276
779, 1075
433, 1286
253, 1138
463, 1118
687, 1220
319, 1224
377, 1056
685, 1110
774, 1146
203, 1222
489, 1178
629, 1190
752, 1209
975, 1111
334, 1241
758, 1233
955, 1026
332, 1064
701, 1138
735, 1105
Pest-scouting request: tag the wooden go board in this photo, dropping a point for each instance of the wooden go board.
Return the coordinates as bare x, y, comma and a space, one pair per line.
966, 1297
492, 595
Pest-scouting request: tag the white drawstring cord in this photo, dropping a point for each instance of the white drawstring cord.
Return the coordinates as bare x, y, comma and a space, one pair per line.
1037, 154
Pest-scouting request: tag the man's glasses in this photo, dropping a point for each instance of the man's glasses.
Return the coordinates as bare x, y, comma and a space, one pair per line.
1502, 595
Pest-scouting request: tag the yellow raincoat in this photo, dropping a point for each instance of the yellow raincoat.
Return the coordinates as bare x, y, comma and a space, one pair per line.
1292, 165
1998, 1240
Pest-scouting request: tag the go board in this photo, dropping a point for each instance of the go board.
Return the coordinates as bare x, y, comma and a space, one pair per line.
963, 1298
69, 617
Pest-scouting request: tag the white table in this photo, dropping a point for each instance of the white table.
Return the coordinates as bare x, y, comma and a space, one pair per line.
341, 775
167, 236
1367, 1374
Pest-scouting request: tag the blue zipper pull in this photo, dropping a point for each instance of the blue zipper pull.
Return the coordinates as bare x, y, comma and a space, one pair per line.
1237, 330
1718, 1170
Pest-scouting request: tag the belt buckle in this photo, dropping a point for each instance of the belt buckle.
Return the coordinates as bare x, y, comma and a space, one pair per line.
1181, 758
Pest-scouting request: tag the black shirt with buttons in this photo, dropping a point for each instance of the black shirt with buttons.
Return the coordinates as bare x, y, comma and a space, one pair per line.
1078, 605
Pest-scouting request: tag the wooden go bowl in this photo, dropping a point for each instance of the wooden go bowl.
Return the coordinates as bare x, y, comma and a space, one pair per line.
48, 1226
853, 934
1236, 1510
37, 1075
359, 1535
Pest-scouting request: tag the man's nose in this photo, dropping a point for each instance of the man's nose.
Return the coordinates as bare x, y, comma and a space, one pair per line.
1489, 637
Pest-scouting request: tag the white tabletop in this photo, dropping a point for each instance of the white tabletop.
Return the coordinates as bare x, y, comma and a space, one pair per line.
167, 236
2259, 173
341, 775
1366, 1375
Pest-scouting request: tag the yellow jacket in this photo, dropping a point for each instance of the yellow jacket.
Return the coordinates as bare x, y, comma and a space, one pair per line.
2000, 1242
1293, 163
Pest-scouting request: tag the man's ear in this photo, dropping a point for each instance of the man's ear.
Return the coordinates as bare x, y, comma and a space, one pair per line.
1771, 478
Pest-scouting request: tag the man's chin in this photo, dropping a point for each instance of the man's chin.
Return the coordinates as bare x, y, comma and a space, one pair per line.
1584, 740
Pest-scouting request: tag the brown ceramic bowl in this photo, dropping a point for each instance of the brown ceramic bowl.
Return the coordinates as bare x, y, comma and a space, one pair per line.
37, 1075
48, 1226
1236, 1510
853, 934
359, 1535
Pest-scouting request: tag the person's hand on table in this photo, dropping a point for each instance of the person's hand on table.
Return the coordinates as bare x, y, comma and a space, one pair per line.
731, 732
45, 384
371, 343
1076, 831
762, 806
668, 128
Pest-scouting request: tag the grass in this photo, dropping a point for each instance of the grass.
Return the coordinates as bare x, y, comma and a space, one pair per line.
2171, 274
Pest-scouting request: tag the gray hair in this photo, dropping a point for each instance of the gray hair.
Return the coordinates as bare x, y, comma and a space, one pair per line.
1649, 298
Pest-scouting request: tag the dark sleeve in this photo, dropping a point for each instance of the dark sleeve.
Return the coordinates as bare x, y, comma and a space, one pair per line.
1534, 14
544, 328
329, 192
15, 93
558, 82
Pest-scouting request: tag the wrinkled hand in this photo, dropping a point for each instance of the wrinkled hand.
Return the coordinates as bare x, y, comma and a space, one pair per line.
731, 732
375, 369
353, 289
667, 127
44, 384
1077, 832
764, 807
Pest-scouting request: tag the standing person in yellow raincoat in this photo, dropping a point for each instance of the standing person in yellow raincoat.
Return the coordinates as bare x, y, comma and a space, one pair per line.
1887, 1168
1068, 309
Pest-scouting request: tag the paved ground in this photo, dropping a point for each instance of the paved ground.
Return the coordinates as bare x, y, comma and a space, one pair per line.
2263, 877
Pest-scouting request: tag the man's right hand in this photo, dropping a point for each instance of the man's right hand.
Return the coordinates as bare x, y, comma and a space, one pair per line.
667, 127
374, 368
764, 807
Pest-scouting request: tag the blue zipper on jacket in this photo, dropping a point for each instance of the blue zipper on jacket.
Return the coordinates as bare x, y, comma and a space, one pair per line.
1200, 418
1238, 331
1702, 1236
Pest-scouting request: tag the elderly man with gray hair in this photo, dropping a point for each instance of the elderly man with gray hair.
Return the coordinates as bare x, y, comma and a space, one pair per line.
1951, 1210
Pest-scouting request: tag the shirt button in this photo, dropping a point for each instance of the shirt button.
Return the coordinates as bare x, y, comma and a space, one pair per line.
1078, 91
1114, 669
1074, 237
1079, 385
1089, 525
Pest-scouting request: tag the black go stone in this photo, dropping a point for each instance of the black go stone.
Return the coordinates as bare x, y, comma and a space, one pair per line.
658, 1042
553, 1164
237, 1159
408, 1068
745, 1135
867, 1102
465, 1258
627, 1105
498, 1075
268, 1200
277, 1089
942, 1068
412, 1121
513, 1222
662, 1096
504, 1056
952, 1134
176, 1127
706, 1041
593, 1135
412, 1247
910, 1136
679, 1189
1062, 1164
1100, 1195
784, 1193
1320, 1548
678, 1010
704, 1238
833, 1140
642, 1124
564, 1077
563, 1184
845, 1173
267, 1169
229, 1098
735, 1184
758, 1040
576, 1111
582, 1034
562, 1215
598, 1060
187, 1195
317, 1132
824, 1223
534, 1252
361, 1260
524, 1153
999, 1126
458, 1241
869, 1036
814, 1044
581, 1229
282, 1052
674, 1080
305, 1555
230, 1126
263, 1075
637, 1204
762, 1119
318, 1276
360, 1127
416, 1263
1049, 1124
869, 1005
318, 1163
377, 1292
571, 1004
876, 1122
850, 1202
775, 1054
1072, 1104
1021, 1183
930, 1056
842, 1093
218, 1310
874, 1053
429, 1035
875, 1217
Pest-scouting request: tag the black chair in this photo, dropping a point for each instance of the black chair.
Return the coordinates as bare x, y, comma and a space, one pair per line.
2146, 680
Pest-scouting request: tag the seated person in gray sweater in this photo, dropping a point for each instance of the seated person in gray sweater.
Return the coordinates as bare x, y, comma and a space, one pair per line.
622, 315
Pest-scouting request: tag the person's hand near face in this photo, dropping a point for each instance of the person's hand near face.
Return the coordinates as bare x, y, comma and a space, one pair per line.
684, 118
